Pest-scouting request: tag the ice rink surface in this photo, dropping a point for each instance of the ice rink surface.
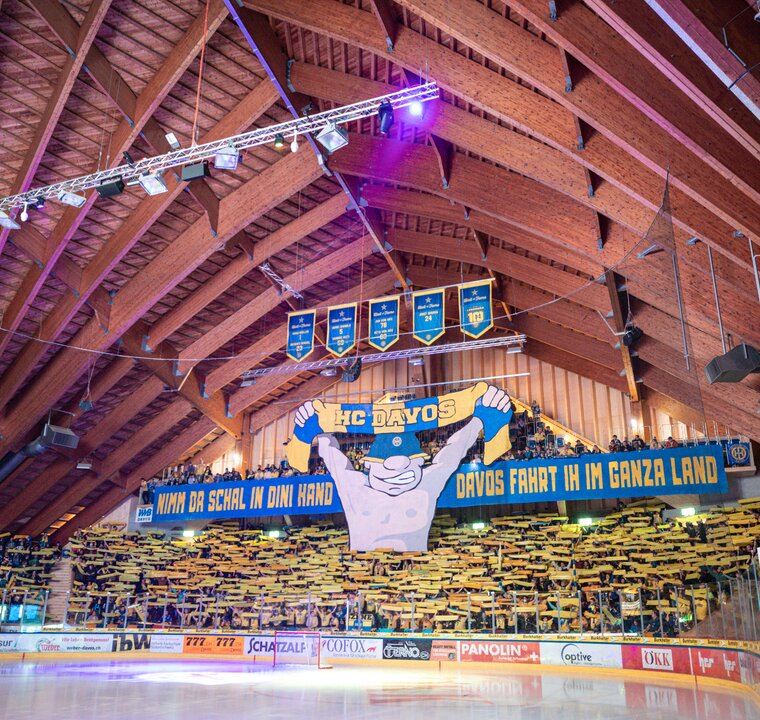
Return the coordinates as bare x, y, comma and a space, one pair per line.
231, 690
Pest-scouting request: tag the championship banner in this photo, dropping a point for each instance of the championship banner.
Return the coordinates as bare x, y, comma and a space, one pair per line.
383, 321
405, 417
300, 334
693, 470
475, 314
428, 315
341, 328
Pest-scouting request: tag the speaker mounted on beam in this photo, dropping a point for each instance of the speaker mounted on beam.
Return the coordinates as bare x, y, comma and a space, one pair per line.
734, 366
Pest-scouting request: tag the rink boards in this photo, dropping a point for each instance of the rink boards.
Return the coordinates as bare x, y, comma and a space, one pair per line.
732, 661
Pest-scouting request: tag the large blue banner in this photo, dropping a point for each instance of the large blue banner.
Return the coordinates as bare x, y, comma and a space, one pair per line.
690, 470
300, 335
428, 315
475, 315
341, 329
383, 321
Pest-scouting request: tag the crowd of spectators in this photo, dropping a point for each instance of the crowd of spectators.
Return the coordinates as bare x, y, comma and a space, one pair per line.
633, 572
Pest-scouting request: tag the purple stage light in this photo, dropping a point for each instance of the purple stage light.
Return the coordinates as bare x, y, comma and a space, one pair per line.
415, 109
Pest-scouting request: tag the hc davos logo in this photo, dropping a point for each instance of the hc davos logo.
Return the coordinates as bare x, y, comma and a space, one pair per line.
573, 655
657, 659
738, 453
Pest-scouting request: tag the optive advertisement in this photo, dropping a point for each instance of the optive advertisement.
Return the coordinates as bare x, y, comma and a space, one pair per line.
661, 659
499, 652
581, 654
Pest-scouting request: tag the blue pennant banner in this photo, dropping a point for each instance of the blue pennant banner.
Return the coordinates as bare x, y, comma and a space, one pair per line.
428, 315
475, 314
300, 335
341, 328
383, 321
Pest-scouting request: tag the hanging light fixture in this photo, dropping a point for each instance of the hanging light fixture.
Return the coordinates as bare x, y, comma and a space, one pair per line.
294, 144
385, 116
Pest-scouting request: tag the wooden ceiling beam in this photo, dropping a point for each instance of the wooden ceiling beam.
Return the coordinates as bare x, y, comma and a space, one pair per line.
516, 104
295, 231
124, 453
138, 113
211, 452
615, 285
266, 45
595, 102
106, 427
134, 226
553, 169
670, 53
114, 496
584, 35
56, 102
275, 338
251, 200
265, 302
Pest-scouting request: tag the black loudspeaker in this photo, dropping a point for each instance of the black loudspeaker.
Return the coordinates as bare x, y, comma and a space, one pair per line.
734, 366
195, 172
632, 334
352, 371
109, 189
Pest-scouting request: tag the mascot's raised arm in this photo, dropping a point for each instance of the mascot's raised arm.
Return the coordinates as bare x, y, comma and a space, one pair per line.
392, 504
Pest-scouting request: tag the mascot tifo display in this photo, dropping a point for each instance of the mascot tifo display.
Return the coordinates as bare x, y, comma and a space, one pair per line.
392, 502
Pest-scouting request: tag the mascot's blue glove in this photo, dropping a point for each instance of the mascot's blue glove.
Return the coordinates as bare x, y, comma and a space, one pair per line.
309, 431
493, 420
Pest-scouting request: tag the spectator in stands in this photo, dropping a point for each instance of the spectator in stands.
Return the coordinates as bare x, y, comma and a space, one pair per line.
655, 444
637, 443
670, 443
615, 445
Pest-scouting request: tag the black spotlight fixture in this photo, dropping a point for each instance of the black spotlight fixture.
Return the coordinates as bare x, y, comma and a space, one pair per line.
196, 171
352, 371
279, 141
631, 335
111, 188
385, 116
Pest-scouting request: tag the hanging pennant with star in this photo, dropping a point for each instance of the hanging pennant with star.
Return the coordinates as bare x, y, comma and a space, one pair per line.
341, 328
383, 321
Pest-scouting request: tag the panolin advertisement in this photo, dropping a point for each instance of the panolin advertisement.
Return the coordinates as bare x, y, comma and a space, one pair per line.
722, 664
213, 645
166, 643
651, 657
499, 652
581, 654
351, 647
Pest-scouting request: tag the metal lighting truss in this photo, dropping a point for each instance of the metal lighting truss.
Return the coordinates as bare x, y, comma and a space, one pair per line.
261, 136
513, 341
266, 268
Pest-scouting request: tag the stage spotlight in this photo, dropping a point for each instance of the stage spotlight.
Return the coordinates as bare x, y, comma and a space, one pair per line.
329, 372
171, 138
72, 199
279, 141
352, 372
196, 171
86, 405
416, 361
416, 109
332, 137
226, 158
39, 202
478, 526
688, 512
385, 117
7, 222
188, 533
24, 216
153, 183
128, 159
585, 522
631, 335
84, 464
111, 188
294, 144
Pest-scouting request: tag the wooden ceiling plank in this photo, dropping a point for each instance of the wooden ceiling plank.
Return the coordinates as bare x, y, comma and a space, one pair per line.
123, 454
598, 104
276, 338
549, 167
644, 30
263, 303
116, 495
213, 451
154, 93
516, 104
252, 199
285, 236
110, 424
57, 100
